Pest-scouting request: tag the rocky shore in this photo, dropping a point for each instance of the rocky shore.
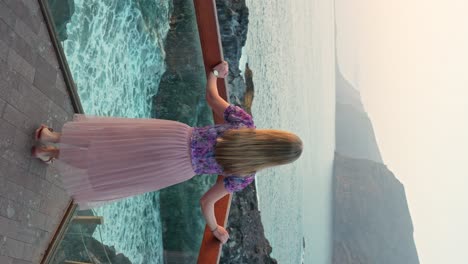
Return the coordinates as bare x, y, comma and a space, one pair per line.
371, 218
247, 243
233, 17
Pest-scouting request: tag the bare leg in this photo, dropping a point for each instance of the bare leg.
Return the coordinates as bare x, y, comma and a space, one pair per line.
46, 153
50, 136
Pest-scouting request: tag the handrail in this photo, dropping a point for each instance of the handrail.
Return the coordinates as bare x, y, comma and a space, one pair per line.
210, 40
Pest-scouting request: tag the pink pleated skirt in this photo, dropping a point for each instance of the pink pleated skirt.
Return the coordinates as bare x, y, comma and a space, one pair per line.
103, 159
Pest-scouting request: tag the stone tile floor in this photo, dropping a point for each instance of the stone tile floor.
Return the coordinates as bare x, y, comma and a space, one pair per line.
32, 92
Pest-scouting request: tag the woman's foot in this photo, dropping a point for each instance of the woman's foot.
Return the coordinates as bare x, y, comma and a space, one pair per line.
45, 153
46, 134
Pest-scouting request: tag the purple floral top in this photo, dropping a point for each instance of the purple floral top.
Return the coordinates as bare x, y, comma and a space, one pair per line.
203, 143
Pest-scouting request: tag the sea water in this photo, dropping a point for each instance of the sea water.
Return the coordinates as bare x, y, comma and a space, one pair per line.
116, 54
290, 48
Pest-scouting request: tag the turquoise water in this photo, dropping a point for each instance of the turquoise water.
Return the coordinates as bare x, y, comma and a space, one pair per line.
116, 54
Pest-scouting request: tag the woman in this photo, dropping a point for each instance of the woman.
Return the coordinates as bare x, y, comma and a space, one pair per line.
108, 158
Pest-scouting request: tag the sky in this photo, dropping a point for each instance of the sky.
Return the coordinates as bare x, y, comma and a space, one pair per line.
409, 60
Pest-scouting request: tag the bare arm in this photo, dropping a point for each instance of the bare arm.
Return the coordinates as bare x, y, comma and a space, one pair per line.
207, 203
214, 100
208, 200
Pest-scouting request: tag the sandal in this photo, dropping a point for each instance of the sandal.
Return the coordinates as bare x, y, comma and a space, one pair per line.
36, 151
38, 132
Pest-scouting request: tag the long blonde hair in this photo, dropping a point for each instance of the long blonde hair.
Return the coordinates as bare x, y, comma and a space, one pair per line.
245, 151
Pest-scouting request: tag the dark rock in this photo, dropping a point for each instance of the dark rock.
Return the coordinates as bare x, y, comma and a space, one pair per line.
61, 11
233, 17
182, 86
247, 243
354, 131
371, 219
249, 90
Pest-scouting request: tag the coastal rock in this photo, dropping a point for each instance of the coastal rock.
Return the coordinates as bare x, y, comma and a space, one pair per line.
247, 243
182, 85
249, 89
62, 11
233, 17
371, 219
354, 131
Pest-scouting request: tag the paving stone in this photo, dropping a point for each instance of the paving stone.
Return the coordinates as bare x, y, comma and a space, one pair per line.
3, 185
7, 15
32, 200
9, 209
23, 180
53, 176
23, 49
2, 106
7, 134
16, 158
15, 117
20, 65
20, 261
33, 7
60, 84
44, 84
45, 68
14, 248
8, 227
24, 13
15, 192
6, 260
37, 219
8, 80
32, 92
25, 32
5, 31
48, 53
3, 50
37, 171
34, 103
28, 253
